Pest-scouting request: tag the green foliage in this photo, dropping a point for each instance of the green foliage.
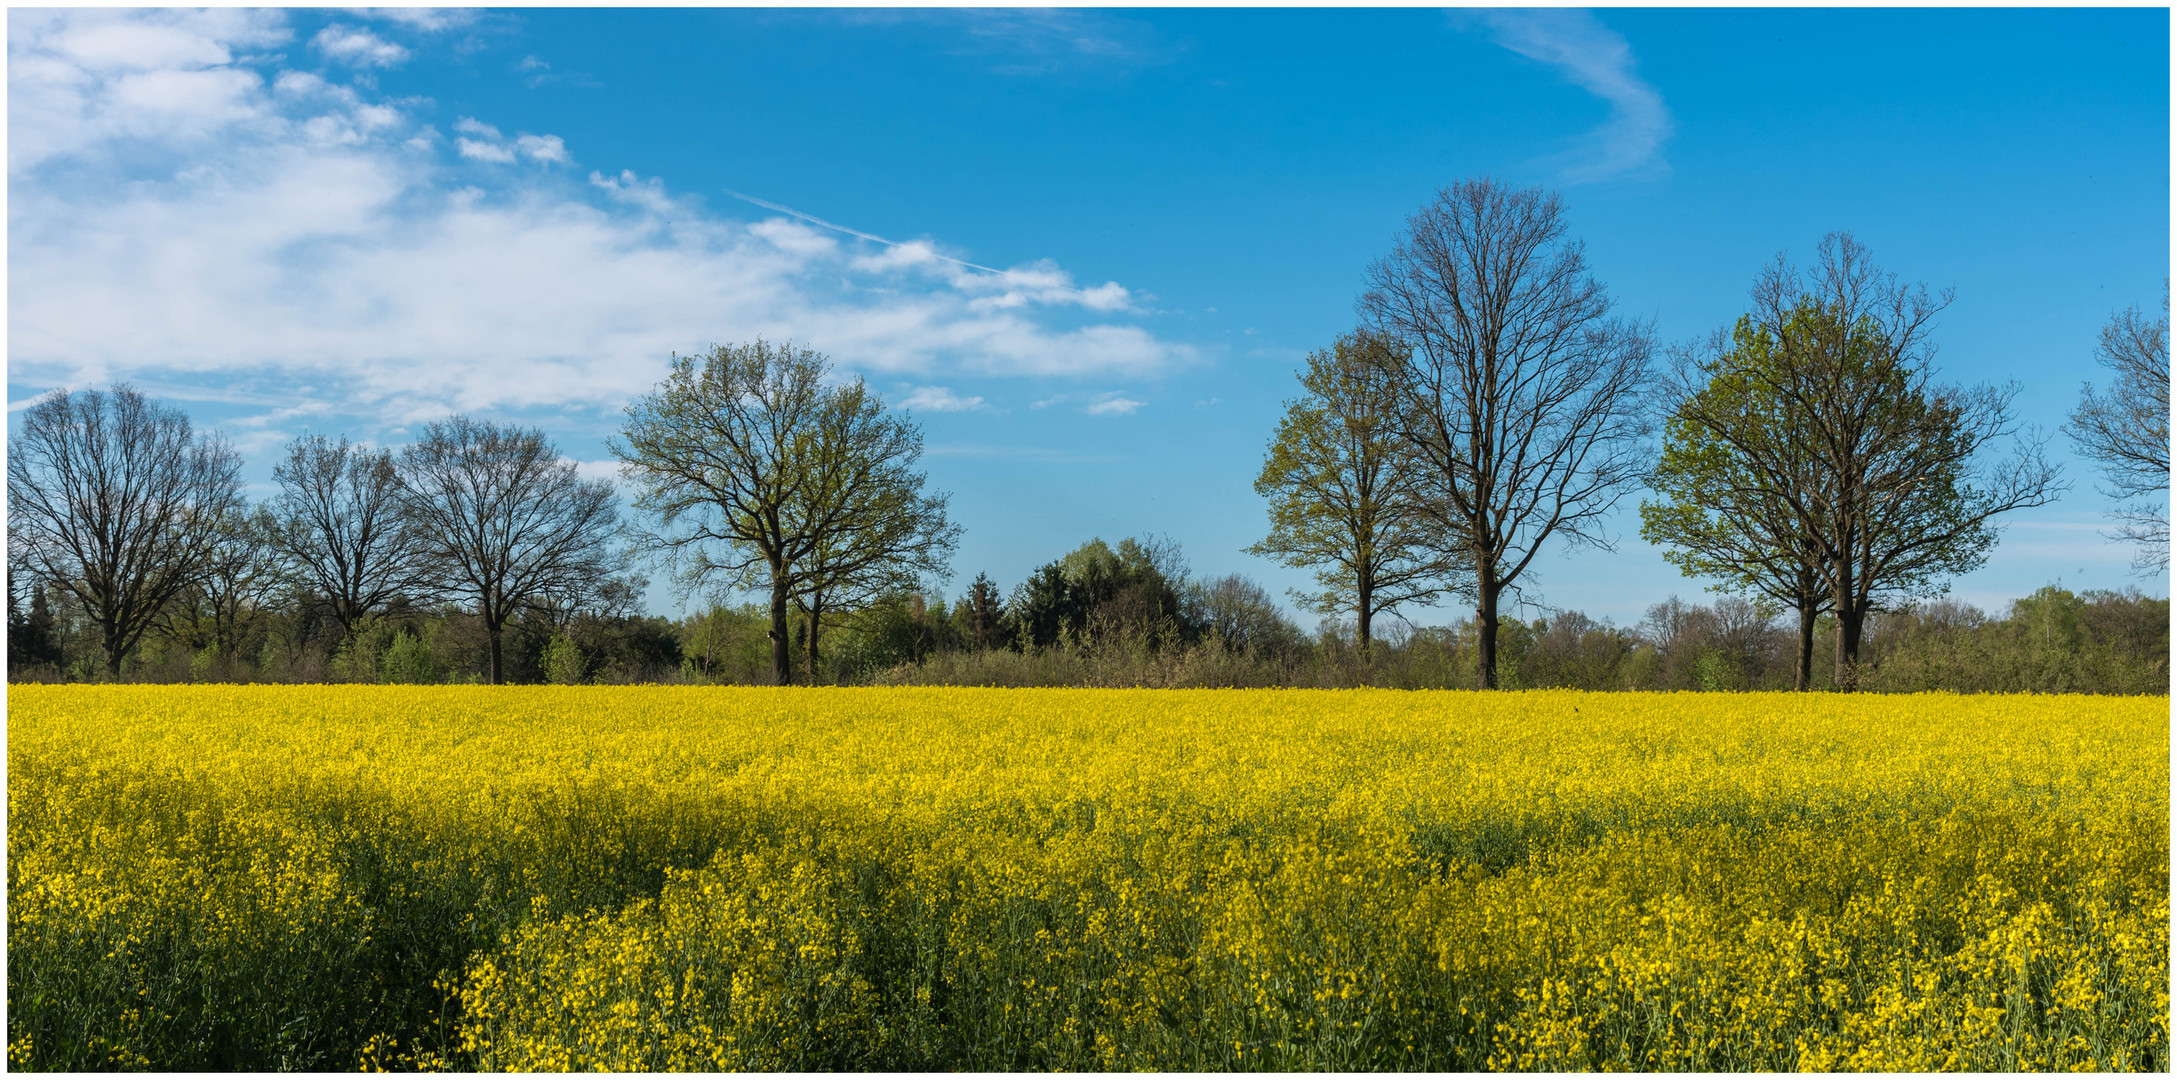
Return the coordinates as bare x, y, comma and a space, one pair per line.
1343, 489
726, 645
562, 662
411, 659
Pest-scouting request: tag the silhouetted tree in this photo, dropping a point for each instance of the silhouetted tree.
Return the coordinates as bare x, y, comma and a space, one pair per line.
502, 520
341, 524
112, 498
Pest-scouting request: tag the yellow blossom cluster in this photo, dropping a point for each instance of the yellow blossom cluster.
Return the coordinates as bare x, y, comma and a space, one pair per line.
716, 878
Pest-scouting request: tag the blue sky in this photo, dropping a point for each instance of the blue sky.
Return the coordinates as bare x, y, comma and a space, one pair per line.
1109, 237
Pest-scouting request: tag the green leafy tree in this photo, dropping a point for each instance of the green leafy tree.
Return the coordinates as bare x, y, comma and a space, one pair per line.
1345, 491
875, 531
1902, 491
765, 478
1730, 468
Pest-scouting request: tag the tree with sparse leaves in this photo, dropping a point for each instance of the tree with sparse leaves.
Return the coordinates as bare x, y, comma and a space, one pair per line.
342, 526
762, 477
2126, 430
1519, 392
1346, 493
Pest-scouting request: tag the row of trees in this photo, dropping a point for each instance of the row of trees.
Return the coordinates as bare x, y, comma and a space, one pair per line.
1489, 401
142, 523
755, 471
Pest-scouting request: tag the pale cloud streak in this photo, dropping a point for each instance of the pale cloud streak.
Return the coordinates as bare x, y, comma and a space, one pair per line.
290, 231
940, 399
1113, 403
1598, 60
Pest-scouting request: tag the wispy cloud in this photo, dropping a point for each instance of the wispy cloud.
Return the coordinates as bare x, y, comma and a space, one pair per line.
1040, 41
941, 399
1041, 282
324, 241
1113, 403
1597, 59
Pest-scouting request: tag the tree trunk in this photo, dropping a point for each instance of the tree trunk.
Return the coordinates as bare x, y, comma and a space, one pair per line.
1804, 676
1850, 619
782, 658
112, 638
1485, 617
1365, 614
497, 634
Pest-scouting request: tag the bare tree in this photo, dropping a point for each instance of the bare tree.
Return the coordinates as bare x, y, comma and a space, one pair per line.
1345, 490
2127, 430
503, 520
112, 499
1908, 494
1521, 393
765, 478
341, 524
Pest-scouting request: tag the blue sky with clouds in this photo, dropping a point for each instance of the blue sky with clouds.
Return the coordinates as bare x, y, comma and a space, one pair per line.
1088, 249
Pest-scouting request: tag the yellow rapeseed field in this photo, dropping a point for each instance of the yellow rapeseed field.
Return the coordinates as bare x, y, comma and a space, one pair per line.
712, 878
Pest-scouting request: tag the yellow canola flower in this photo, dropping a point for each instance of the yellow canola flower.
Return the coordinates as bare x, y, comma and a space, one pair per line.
712, 878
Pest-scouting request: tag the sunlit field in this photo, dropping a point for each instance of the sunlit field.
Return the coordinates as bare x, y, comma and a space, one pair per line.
701, 878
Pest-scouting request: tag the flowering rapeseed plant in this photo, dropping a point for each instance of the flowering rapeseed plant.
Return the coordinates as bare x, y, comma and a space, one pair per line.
711, 878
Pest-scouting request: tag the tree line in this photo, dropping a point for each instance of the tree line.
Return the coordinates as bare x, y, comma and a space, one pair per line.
1487, 402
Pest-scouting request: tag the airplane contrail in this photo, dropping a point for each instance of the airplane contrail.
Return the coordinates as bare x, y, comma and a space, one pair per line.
814, 220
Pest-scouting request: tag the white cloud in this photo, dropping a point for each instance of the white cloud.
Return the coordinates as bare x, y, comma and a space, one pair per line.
1597, 59
357, 47
484, 151
941, 399
1113, 403
301, 235
426, 19
543, 148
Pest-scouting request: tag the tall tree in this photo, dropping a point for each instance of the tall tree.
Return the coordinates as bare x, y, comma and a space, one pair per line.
111, 497
1730, 469
1520, 393
1346, 492
503, 520
1909, 491
341, 524
2126, 430
765, 478
873, 530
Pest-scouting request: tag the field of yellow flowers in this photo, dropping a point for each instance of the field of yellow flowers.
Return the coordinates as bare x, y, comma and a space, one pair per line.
715, 878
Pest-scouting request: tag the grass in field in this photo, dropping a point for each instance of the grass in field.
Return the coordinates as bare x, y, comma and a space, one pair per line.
550, 878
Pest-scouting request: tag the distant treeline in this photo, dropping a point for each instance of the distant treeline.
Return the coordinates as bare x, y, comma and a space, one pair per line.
1130, 615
